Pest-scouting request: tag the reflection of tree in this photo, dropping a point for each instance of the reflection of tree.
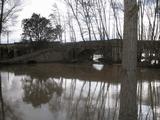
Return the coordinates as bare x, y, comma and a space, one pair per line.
128, 99
88, 101
85, 102
10, 112
151, 99
56, 103
7, 111
2, 113
39, 92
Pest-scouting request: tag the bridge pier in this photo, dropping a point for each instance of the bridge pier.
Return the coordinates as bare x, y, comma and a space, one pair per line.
15, 52
116, 55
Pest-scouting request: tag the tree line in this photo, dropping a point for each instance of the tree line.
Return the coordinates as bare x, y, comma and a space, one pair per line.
103, 19
87, 20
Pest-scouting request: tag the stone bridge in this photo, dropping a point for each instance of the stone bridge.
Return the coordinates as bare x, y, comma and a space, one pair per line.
111, 51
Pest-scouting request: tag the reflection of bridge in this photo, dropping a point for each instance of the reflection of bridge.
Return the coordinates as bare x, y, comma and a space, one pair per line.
109, 73
111, 51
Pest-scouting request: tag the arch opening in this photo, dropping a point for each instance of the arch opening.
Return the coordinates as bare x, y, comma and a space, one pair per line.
31, 62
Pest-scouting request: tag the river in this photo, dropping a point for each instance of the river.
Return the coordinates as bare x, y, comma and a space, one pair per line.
74, 92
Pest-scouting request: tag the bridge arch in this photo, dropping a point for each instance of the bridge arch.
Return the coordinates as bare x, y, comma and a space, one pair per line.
86, 54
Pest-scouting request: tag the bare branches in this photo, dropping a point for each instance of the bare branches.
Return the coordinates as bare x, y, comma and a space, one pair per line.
11, 8
103, 19
149, 19
75, 12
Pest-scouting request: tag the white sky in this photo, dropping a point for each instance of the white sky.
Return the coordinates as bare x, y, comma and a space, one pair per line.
43, 7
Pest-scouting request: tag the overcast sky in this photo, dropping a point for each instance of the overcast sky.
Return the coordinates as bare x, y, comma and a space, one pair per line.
43, 7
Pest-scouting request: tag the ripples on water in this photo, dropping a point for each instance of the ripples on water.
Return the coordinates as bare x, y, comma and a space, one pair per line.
74, 92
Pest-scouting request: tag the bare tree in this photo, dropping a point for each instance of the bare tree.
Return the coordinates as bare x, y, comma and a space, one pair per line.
1, 16
141, 19
9, 9
73, 5
72, 33
57, 20
100, 19
116, 6
128, 102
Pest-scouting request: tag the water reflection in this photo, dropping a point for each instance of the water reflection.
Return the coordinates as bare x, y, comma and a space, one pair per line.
2, 113
98, 66
128, 93
6, 106
74, 92
42, 90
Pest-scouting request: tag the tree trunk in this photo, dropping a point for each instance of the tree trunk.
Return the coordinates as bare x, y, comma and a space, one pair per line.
1, 18
128, 103
130, 35
2, 114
